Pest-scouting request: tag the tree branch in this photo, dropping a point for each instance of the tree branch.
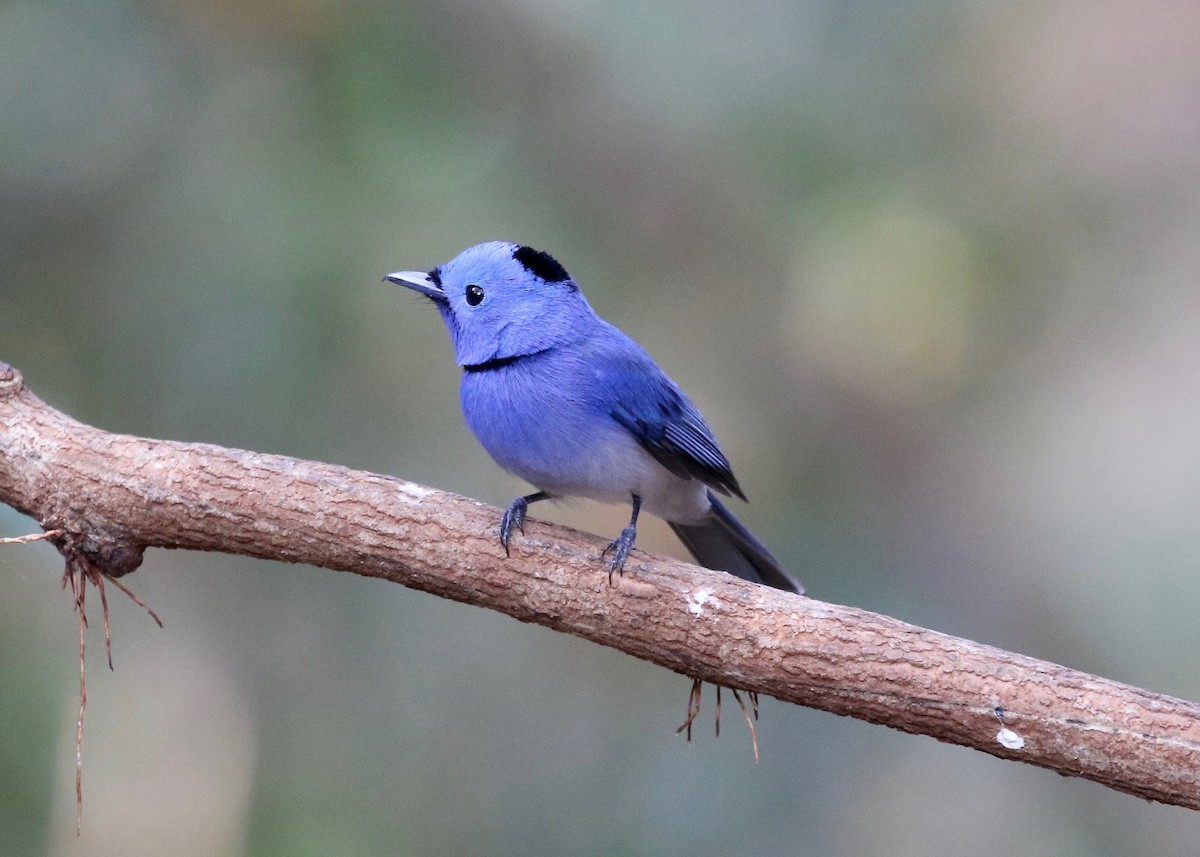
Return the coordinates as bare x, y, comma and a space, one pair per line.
111, 496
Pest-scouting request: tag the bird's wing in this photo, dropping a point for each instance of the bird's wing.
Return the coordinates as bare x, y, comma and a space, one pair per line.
667, 425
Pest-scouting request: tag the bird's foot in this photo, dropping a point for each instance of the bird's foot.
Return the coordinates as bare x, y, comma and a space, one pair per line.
620, 547
514, 516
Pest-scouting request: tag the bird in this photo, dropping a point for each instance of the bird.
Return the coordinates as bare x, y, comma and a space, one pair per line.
569, 403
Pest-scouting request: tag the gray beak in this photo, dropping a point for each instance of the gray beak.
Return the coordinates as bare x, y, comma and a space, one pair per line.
418, 282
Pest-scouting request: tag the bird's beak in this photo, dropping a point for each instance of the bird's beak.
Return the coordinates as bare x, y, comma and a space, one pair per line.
418, 282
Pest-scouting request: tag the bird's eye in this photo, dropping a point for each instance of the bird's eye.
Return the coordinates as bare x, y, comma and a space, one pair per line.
474, 295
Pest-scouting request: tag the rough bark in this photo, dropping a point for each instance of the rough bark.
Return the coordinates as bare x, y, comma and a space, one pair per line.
112, 496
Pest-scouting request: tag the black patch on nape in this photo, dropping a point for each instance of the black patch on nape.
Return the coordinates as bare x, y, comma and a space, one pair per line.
541, 265
435, 277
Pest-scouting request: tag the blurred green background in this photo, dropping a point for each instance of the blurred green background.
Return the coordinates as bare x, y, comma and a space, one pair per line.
929, 268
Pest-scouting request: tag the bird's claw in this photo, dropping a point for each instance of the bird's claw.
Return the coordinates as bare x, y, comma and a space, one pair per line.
620, 547
514, 516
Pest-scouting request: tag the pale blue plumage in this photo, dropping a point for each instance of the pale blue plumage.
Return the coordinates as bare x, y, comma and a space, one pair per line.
569, 403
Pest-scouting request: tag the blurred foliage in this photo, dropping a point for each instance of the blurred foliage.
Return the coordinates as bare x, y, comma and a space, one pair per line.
930, 269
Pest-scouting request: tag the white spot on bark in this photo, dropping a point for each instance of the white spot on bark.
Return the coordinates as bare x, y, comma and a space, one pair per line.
1010, 739
696, 600
413, 493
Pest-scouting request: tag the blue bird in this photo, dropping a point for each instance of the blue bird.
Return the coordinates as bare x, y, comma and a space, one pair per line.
569, 403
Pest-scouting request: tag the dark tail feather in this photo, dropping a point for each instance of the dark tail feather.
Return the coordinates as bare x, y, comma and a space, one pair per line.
722, 543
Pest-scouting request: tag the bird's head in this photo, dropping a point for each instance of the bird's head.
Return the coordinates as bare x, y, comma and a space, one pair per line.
501, 300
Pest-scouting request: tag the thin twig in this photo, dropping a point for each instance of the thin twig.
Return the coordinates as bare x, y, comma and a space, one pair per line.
99, 581
79, 572
749, 720
79, 587
121, 586
693, 711
693, 708
32, 537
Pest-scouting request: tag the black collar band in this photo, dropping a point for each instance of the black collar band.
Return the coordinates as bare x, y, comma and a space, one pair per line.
494, 363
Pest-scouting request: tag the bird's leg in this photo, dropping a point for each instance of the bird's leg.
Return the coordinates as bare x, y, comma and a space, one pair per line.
514, 516
623, 544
